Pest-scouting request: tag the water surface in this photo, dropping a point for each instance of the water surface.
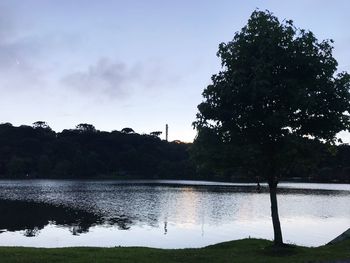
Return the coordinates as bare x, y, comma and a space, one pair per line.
166, 214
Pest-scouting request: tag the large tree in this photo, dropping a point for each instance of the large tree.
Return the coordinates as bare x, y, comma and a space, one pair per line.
277, 95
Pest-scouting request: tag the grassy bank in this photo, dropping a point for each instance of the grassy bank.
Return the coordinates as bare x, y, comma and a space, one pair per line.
247, 250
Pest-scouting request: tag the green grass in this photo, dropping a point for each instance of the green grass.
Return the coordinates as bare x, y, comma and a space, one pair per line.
246, 250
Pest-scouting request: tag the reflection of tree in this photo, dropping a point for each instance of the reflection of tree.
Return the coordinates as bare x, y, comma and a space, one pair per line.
32, 217
123, 222
76, 230
31, 232
165, 227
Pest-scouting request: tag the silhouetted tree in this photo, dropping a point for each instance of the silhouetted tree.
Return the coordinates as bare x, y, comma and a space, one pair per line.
276, 95
127, 130
74, 154
84, 127
41, 124
6, 124
156, 133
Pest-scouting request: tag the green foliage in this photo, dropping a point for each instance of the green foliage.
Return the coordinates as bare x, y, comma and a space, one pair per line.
276, 99
246, 250
37, 152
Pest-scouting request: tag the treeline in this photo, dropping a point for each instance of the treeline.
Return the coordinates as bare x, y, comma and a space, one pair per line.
328, 164
84, 152
334, 166
310, 162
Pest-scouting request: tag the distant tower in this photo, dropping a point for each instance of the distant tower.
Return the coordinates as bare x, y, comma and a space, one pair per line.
166, 132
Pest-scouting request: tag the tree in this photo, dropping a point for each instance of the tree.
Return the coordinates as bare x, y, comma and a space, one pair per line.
127, 130
84, 127
277, 94
156, 133
41, 124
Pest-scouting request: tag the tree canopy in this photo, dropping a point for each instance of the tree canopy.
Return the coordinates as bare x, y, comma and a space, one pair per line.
84, 152
278, 93
85, 127
156, 133
127, 130
41, 124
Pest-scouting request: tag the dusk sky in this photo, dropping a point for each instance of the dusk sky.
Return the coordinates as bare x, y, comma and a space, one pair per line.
138, 64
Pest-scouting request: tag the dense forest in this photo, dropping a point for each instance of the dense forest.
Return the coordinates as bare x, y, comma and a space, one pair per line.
318, 162
84, 152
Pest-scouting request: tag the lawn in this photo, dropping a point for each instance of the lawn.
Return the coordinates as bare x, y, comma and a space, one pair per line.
246, 250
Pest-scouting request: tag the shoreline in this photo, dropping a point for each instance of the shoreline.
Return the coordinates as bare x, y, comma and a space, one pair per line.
155, 180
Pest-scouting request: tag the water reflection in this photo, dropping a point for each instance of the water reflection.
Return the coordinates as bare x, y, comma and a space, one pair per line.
164, 214
31, 217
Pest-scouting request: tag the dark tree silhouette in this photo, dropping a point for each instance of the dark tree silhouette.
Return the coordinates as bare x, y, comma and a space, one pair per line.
127, 130
156, 133
84, 127
41, 124
28, 152
277, 94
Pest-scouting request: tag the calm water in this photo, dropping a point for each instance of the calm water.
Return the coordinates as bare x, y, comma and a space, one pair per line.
166, 214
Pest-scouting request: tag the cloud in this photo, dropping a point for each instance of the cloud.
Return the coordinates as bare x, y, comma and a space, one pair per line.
112, 79
36, 59
117, 80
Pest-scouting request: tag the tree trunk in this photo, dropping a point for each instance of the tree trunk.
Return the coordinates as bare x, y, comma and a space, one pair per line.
274, 214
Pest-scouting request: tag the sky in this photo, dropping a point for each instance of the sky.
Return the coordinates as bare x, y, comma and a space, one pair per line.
138, 64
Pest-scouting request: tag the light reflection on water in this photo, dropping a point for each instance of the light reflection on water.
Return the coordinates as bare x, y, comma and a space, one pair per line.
167, 214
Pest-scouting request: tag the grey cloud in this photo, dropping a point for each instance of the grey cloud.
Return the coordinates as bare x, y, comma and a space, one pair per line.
116, 80
28, 50
113, 79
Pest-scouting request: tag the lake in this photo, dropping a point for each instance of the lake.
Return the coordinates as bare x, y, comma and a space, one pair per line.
165, 214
